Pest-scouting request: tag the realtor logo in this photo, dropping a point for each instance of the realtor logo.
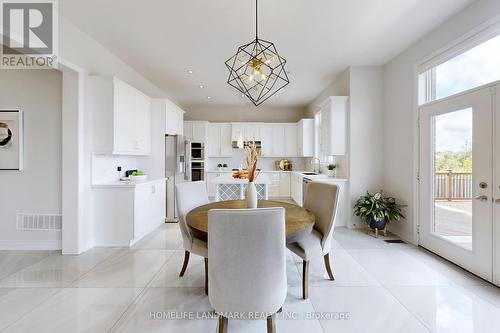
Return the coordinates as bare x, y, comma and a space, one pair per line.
28, 34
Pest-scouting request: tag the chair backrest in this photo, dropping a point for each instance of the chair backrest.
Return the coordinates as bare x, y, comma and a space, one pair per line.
322, 199
247, 260
189, 195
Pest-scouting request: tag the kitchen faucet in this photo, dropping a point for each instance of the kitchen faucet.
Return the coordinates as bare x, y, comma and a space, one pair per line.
319, 165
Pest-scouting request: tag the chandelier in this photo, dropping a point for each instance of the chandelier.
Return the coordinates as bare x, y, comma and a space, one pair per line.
257, 70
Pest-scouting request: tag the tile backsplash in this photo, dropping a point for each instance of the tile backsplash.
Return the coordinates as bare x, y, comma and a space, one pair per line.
265, 163
104, 167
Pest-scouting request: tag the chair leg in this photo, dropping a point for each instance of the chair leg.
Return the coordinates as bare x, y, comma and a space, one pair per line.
206, 276
185, 264
305, 279
222, 328
271, 323
328, 267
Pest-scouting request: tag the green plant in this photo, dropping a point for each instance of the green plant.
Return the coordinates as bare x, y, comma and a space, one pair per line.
138, 173
331, 167
377, 207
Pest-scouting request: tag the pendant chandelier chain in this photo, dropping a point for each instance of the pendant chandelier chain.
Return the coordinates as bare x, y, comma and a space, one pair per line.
256, 20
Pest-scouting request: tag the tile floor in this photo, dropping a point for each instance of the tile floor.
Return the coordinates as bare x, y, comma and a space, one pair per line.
379, 287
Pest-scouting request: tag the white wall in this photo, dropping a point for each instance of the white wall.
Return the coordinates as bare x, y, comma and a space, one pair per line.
366, 132
37, 188
218, 113
399, 121
339, 87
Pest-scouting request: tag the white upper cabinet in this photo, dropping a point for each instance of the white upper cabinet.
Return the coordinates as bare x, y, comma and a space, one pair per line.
219, 140
305, 138
334, 126
121, 117
266, 135
173, 118
291, 140
196, 131
278, 140
246, 131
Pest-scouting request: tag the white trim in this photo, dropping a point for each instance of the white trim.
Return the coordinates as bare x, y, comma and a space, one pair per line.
30, 245
476, 36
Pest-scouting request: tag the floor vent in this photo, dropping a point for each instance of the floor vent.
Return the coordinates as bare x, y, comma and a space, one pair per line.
394, 241
43, 222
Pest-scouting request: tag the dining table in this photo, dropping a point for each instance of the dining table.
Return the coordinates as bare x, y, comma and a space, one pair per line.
299, 221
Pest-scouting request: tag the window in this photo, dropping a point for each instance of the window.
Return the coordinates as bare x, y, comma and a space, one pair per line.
475, 67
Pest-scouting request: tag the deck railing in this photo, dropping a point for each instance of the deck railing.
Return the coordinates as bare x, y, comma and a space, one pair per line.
453, 186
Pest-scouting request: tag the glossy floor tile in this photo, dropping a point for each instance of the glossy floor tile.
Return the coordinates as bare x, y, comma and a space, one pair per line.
17, 302
57, 270
13, 261
125, 269
77, 310
378, 287
362, 309
449, 309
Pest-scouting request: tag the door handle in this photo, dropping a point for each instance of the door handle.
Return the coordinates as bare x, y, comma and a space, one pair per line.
481, 198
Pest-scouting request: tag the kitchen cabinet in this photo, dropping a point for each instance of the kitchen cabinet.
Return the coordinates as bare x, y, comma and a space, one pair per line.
334, 126
266, 134
124, 214
305, 138
219, 140
280, 184
291, 140
296, 187
211, 187
121, 117
169, 114
246, 131
278, 142
196, 131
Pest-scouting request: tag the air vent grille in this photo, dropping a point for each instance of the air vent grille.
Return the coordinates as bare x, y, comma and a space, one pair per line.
43, 222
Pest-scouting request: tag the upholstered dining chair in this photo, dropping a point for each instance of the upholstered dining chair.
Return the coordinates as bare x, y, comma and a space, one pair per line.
321, 199
247, 272
190, 195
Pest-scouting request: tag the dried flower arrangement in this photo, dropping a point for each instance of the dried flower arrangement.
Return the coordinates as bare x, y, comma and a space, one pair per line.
252, 156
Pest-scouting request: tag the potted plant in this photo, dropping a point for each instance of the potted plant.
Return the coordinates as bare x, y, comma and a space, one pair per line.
331, 169
377, 210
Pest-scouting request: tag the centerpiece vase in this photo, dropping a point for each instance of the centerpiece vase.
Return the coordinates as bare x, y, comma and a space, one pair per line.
251, 195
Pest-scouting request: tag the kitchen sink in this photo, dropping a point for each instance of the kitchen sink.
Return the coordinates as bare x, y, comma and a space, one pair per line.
310, 174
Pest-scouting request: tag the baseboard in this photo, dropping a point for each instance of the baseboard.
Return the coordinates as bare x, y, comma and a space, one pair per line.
31, 245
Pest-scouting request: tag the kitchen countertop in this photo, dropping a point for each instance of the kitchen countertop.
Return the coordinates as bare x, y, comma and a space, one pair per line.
228, 179
126, 184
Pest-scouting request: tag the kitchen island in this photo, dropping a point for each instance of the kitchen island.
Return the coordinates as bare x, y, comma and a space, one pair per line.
229, 188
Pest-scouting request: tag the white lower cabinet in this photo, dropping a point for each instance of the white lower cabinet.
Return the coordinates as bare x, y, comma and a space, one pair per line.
280, 184
124, 215
296, 187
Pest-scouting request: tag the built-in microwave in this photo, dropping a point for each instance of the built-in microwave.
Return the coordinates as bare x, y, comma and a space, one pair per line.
197, 151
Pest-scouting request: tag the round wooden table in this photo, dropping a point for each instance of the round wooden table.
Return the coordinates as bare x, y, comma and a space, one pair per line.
299, 221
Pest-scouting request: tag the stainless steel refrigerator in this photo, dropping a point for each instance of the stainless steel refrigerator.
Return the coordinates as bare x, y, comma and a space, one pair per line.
176, 170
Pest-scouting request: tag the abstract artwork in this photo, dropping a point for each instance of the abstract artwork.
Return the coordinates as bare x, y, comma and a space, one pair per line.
11, 140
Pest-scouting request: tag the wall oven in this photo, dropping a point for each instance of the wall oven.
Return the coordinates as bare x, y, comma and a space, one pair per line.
197, 171
197, 151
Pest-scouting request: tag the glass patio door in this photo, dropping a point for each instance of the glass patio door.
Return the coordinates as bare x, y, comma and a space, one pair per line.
456, 180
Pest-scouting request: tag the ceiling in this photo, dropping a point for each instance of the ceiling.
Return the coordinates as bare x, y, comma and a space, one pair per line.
163, 39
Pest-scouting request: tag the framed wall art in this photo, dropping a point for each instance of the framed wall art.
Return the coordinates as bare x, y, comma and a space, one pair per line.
11, 140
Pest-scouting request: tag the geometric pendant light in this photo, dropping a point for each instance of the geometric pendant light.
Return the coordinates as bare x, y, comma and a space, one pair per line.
257, 70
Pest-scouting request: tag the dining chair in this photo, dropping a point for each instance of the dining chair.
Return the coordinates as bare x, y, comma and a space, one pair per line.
247, 272
322, 200
190, 195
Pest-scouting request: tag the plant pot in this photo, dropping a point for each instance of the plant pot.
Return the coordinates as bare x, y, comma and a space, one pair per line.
251, 195
380, 225
138, 179
331, 173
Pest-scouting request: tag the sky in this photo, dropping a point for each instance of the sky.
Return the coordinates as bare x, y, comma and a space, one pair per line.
478, 66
